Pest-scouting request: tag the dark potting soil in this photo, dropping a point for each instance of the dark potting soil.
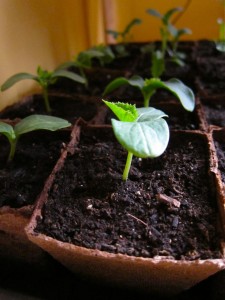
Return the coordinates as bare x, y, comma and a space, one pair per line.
63, 106
36, 154
215, 114
207, 48
211, 67
210, 86
90, 206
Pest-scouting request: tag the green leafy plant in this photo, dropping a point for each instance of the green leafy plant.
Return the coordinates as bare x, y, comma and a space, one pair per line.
141, 131
170, 35
149, 86
44, 79
123, 37
125, 34
220, 43
28, 124
84, 60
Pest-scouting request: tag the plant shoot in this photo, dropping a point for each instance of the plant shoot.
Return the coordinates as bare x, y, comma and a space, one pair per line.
149, 86
44, 79
28, 124
141, 131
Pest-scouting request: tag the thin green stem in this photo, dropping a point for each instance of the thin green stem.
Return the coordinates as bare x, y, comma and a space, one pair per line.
46, 100
127, 166
164, 42
147, 97
13, 143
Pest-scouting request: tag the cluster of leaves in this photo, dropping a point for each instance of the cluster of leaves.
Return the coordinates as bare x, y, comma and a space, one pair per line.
84, 60
123, 37
149, 86
170, 35
220, 43
28, 124
141, 131
44, 78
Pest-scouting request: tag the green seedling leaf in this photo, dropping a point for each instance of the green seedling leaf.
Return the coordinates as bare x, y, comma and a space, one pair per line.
143, 139
149, 113
44, 78
124, 34
182, 92
16, 78
145, 134
69, 75
149, 86
28, 124
154, 13
135, 80
169, 14
7, 130
124, 111
135, 21
40, 122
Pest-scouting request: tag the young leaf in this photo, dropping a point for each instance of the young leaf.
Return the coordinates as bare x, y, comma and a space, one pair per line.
135, 80
182, 92
28, 124
146, 135
124, 111
7, 130
70, 75
16, 78
38, 122
143, 139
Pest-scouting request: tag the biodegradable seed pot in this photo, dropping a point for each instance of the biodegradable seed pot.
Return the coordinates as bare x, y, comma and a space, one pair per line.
160, 231
22, 179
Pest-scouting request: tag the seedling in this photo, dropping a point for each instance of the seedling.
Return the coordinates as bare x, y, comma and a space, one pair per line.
149, 86
220, 44
124, 36
170, 34
44, 79
141, 131
84, 59
28, 124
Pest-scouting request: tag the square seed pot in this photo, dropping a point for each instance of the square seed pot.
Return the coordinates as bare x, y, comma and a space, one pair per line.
126, 233
22, 180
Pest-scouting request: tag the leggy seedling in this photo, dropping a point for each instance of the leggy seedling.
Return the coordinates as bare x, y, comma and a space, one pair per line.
84, 59
28, 124
149, 86
170, 35
141, 131
220, 44
44, 79
123, 37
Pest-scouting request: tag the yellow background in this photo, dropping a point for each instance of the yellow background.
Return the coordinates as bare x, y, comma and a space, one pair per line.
49, 32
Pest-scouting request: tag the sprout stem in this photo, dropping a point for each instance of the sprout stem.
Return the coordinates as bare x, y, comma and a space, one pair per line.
127, 166
12, 149
45, 95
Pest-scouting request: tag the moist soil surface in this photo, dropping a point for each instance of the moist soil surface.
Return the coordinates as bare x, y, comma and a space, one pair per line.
62, 106
22, 179
90, 206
